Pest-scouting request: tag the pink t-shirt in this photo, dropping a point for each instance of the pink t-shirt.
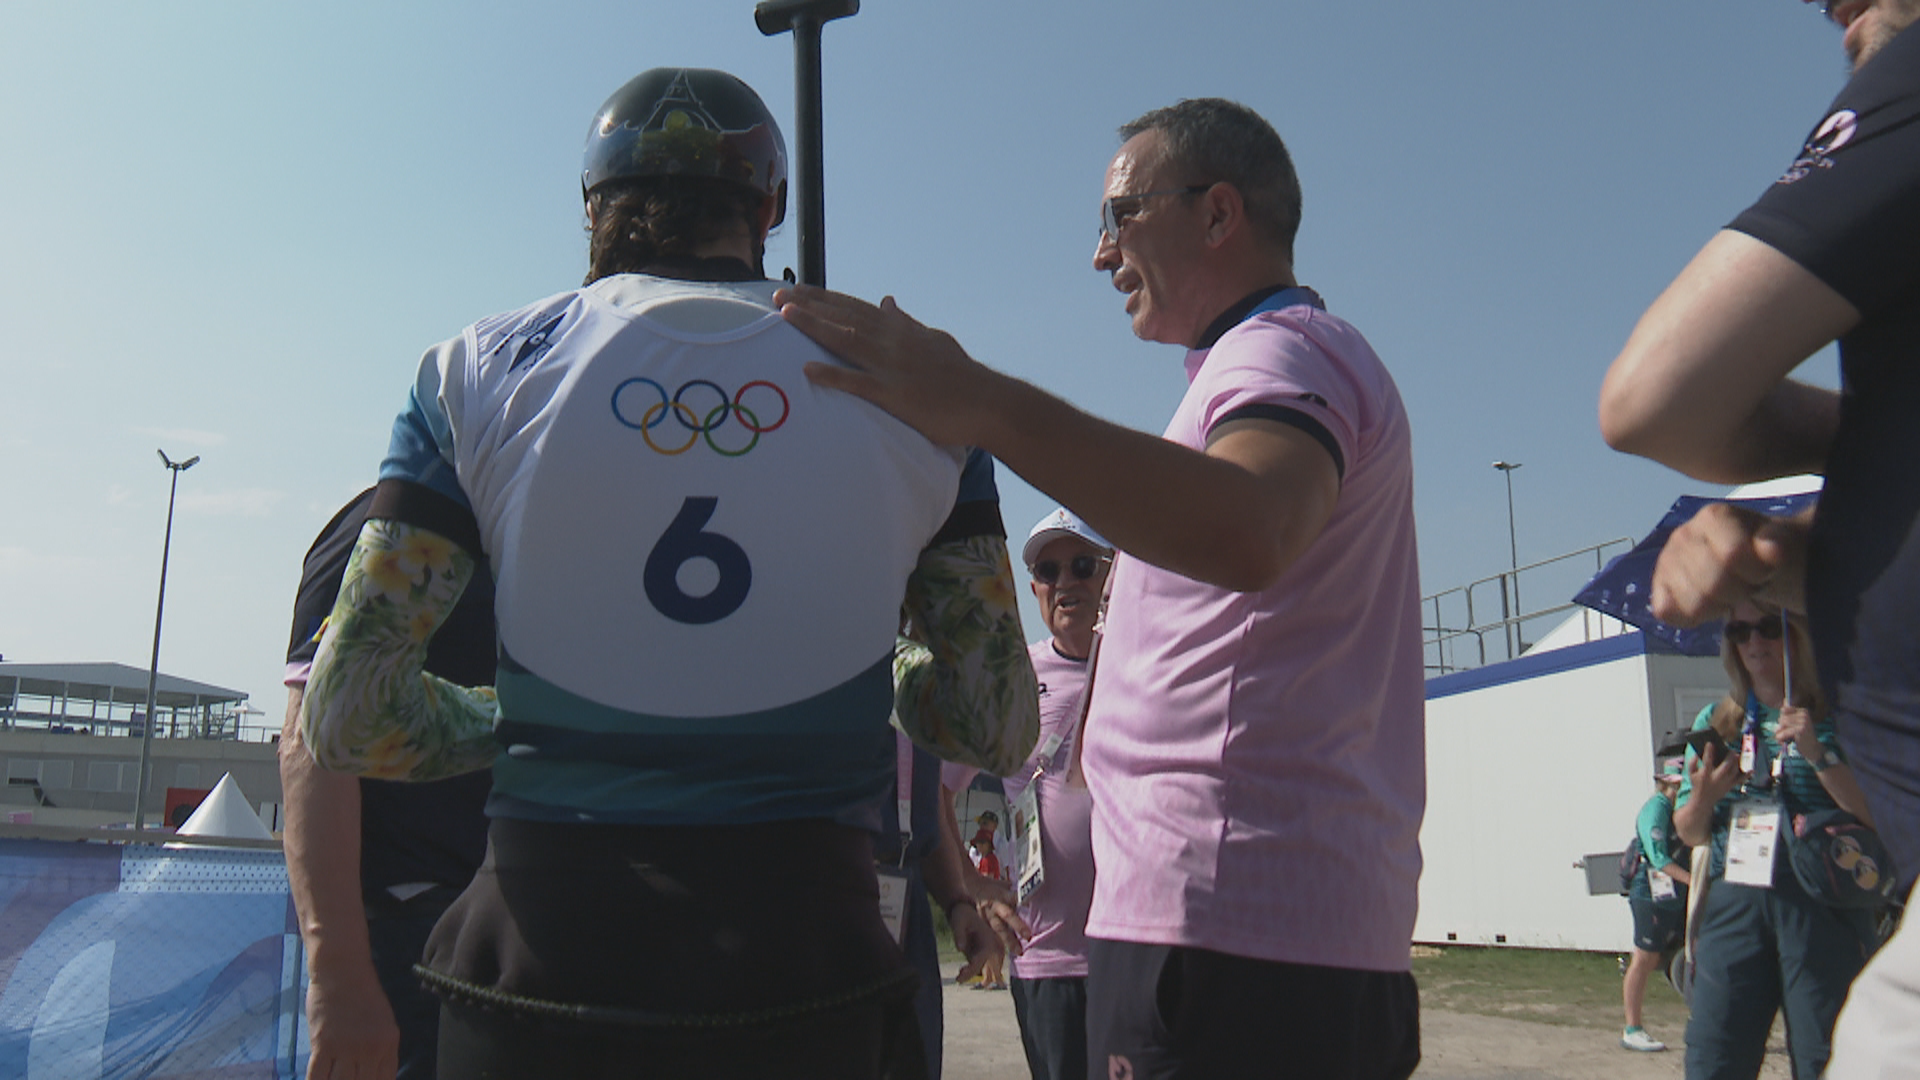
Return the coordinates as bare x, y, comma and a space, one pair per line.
1257, 760
1057, 910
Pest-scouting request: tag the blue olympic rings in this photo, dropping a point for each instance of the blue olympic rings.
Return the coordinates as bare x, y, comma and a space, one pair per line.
696, 424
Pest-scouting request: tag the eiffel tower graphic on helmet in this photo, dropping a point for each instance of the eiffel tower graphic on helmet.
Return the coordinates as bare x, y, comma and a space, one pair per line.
679, 98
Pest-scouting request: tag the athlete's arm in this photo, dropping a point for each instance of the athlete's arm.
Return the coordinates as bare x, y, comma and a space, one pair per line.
370, 706
965, 690
1702, 384
352, 1024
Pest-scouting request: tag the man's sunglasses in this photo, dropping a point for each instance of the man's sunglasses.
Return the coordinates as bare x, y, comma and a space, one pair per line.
1737, 633
1114, 206
1047, 571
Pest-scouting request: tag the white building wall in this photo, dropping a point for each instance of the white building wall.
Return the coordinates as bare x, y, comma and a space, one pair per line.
1527, 775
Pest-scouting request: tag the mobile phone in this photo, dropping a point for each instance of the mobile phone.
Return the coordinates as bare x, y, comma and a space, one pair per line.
1707, 745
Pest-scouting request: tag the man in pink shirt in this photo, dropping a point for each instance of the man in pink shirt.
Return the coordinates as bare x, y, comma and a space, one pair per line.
1068, 563
1255, 740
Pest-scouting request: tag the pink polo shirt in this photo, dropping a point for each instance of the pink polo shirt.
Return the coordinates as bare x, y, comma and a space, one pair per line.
1257, 760
1057, 910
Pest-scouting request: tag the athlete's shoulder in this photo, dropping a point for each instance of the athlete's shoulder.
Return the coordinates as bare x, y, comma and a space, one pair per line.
696, 306
532, 325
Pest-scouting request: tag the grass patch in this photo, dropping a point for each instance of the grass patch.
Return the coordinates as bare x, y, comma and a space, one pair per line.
1572, 989
1546, 986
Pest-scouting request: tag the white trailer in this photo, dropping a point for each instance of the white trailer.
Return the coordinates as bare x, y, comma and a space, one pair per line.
1536, 768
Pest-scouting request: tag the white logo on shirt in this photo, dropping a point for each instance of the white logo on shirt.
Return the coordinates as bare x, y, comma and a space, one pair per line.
1833, 133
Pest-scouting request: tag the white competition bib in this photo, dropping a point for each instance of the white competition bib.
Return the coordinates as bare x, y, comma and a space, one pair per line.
746, 537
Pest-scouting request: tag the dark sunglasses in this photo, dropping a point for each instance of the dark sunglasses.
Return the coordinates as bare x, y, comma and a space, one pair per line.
1117, 210
1737, 633
1047, 571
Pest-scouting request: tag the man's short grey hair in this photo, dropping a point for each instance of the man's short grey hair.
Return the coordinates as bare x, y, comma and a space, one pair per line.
1212, 139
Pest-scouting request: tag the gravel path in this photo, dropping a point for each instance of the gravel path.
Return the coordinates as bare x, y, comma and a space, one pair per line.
983, 1043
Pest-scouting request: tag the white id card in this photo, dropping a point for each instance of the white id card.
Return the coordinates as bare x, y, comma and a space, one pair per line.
1661, 884
1750, 842
893, 902
1026, 841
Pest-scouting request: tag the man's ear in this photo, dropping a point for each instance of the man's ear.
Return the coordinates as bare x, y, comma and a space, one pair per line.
1226, 212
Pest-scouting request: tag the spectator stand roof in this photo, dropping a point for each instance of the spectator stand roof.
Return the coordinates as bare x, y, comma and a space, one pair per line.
76, 694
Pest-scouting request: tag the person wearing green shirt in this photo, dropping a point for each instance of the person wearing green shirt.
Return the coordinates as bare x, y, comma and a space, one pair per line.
1658, 899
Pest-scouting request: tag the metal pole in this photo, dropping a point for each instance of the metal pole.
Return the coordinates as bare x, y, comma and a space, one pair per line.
1514, 637
153, 668
808, 130
805, 18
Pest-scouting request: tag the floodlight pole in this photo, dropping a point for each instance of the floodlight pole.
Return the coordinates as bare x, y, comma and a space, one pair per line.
153, 668
805, 18
1513, 553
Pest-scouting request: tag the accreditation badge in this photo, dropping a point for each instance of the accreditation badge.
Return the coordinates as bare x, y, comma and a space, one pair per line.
1026, 841
893, 901
1661, 884
1751, 840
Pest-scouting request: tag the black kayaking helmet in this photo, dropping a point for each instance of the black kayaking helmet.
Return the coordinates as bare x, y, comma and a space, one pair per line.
688, 122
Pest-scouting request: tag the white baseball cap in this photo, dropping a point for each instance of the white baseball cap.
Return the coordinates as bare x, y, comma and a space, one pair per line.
1062, 522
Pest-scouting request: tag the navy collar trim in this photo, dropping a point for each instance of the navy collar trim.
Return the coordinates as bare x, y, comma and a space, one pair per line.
1253, 303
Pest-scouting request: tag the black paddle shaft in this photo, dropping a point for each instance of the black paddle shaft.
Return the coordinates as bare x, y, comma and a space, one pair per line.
805, 18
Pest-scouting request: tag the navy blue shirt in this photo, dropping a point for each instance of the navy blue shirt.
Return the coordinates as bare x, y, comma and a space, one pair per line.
1848, 210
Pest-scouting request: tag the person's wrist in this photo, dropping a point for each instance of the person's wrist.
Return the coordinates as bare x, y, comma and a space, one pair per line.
1005, 404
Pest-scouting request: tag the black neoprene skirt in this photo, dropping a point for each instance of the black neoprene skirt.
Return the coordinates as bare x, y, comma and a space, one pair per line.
723, 935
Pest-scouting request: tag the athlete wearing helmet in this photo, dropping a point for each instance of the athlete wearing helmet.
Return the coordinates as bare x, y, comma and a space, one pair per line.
701, 562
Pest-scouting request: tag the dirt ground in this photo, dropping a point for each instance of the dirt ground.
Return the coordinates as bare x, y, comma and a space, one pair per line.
983, 1043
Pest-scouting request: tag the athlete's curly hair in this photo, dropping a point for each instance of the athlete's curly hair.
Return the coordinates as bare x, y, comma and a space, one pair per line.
637, 222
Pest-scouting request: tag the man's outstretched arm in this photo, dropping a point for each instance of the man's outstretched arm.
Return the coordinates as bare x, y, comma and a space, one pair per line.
1235, 516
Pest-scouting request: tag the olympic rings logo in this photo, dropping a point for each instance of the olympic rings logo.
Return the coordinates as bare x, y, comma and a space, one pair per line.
691, 418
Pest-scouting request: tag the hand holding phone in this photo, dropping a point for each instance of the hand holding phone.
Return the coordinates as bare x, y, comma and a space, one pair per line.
1707, 746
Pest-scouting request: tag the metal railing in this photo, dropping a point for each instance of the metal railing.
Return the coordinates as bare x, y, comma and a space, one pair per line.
1461, 631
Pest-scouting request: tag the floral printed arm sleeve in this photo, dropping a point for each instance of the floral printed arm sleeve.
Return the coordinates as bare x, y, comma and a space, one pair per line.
964, 687
370, 706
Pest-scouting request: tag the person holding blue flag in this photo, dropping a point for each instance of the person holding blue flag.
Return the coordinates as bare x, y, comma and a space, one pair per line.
1764, 945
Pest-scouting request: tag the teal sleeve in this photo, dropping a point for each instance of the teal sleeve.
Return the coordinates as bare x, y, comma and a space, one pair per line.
1655, 827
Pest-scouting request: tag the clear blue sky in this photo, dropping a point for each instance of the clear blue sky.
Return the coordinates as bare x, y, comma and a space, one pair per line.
229, 229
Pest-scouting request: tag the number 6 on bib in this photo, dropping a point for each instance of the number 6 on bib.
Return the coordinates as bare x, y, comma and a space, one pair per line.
684, 541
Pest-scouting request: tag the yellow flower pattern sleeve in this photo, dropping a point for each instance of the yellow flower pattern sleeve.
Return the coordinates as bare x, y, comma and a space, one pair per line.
963, 685
370, 707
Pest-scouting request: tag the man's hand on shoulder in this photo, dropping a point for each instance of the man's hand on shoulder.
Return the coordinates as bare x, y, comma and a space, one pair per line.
920, 375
